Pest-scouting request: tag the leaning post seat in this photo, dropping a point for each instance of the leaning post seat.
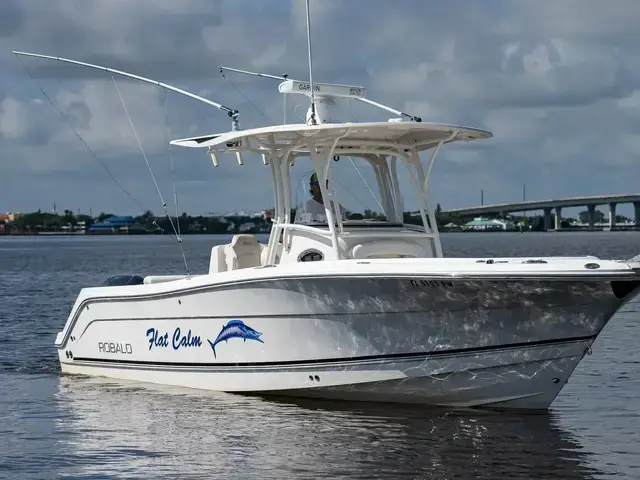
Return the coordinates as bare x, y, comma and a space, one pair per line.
244, 251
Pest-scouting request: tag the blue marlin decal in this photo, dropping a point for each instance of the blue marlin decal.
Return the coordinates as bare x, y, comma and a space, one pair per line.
235, 329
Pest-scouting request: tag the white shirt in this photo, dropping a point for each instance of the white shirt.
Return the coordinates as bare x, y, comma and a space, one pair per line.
315, 212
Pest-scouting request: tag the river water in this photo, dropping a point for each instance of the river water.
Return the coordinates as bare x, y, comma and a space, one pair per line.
60, 427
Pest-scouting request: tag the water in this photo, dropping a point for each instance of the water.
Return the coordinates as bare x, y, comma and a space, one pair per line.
59, 427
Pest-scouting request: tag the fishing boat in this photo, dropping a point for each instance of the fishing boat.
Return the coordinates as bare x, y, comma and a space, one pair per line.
339, 306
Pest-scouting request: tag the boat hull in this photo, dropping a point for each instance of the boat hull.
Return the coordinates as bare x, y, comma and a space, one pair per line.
528, 378
427, 341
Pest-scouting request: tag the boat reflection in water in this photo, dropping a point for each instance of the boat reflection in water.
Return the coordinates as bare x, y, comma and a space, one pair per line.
134, 429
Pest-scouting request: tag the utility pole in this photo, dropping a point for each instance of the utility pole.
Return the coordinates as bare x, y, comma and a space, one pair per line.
481, 197
524, 212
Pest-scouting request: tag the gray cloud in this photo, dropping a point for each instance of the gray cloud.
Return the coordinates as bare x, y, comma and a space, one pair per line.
558, 83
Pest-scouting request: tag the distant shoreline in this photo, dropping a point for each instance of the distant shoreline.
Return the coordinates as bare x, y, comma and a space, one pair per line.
184, 234
106, 224
117, 234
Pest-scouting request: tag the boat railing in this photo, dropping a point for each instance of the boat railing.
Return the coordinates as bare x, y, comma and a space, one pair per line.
285, 232
372, 229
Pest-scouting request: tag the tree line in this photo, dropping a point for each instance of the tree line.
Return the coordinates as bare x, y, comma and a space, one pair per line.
148, 222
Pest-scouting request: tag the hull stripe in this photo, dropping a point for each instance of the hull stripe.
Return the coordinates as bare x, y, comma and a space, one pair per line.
320, 361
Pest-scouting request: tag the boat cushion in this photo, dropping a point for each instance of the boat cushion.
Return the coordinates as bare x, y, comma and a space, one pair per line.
243, 252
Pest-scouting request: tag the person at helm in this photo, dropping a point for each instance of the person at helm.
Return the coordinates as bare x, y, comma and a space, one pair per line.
314, 207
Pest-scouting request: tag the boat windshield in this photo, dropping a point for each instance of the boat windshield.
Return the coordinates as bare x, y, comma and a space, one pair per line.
361, 192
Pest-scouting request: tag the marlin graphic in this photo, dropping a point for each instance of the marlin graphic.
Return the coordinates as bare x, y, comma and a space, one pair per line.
235, 329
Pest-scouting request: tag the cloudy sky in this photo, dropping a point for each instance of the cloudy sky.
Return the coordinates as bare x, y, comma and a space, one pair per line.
557, 82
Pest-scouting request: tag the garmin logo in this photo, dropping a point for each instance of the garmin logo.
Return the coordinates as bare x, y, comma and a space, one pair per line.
112, 347
306, 87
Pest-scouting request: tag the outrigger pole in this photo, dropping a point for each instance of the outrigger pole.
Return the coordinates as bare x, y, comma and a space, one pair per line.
234, 114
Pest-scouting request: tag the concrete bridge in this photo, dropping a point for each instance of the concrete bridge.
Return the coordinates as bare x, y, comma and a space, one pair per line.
547, 206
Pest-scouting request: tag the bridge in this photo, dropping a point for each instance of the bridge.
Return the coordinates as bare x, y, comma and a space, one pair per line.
547, 206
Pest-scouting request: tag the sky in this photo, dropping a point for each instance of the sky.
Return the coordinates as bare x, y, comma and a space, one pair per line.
556, 82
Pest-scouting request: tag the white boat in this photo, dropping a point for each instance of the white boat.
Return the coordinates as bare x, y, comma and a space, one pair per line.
349, 308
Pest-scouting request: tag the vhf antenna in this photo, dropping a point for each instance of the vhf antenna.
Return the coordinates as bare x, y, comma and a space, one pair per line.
313, 101
329, 90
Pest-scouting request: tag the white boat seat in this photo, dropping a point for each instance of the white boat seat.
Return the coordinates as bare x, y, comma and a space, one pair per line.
244, 251
218, 261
